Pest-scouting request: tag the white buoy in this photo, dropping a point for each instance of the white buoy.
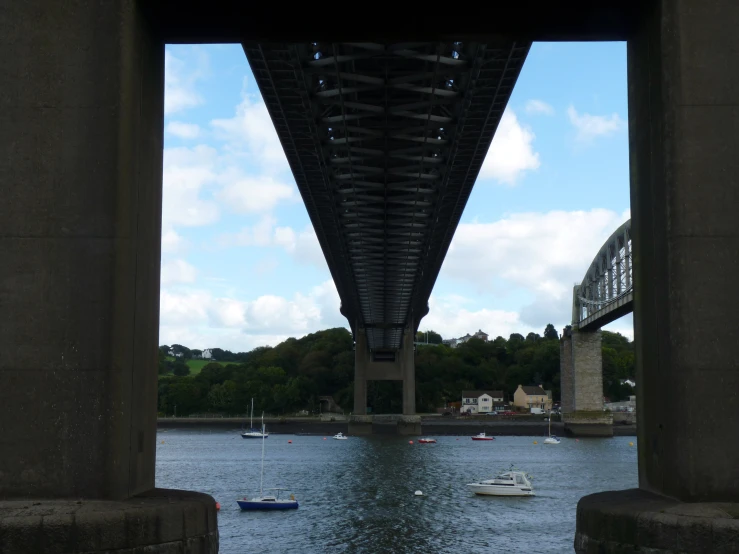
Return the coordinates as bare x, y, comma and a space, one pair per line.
418, 493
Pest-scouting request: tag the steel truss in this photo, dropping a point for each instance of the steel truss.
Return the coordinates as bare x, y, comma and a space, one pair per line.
609, 277
385, 143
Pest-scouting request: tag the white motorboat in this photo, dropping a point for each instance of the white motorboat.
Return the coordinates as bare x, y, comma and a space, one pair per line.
551, 439
510, 483
482, 437
340, 436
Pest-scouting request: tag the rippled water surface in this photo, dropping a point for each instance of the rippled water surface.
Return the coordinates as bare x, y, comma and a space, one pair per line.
357, 495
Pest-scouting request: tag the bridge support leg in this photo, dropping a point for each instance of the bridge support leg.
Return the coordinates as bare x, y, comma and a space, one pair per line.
80, 232
684, 135
408, 367
581, 371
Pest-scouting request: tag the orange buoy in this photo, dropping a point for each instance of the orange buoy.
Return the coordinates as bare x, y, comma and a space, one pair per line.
410, 442
218, 506
289, 442
324, 438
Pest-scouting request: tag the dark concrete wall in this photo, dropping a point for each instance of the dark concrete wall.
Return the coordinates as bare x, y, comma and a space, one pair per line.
683, 70
81, 115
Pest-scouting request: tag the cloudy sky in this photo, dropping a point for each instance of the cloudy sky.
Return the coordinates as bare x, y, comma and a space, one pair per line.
241, 266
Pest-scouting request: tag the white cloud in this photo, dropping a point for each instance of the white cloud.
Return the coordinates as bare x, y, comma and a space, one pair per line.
177, 271
511, 152
589, 127
541, 254
179, 82
251, 133
183, 130
303, 246
199, 319
534, 107
449, 317
186, 172
172, 242
254, 194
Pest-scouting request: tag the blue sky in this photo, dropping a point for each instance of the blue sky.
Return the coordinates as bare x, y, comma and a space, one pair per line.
241, 266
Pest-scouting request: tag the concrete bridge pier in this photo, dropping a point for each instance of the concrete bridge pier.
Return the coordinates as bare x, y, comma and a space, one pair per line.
81, 117
684, 135
368, 367
581, 370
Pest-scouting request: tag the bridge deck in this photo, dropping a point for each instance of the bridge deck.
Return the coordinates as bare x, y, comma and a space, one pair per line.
385, 143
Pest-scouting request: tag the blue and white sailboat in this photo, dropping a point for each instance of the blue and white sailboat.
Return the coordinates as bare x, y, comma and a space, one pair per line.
267, 502
253, 433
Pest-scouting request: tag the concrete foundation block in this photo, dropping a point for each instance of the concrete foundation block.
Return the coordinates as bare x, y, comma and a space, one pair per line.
409, 425
588, 424
634, 520
160, 521
360, 425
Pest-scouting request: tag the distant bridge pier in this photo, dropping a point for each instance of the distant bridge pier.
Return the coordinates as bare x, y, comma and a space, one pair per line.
391, 365
81, 131
581, 370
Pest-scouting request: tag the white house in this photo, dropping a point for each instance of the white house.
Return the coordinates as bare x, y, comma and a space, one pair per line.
207, 354
480, 401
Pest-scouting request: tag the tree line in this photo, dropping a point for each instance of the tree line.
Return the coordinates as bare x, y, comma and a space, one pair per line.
292, 375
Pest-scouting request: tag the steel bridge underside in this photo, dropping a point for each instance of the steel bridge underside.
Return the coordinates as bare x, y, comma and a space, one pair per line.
385, 142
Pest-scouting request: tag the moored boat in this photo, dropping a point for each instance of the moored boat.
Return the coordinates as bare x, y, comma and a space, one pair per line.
427, 441
482, 437
269, 502
551, 439
340, 436
510, 483
253, 433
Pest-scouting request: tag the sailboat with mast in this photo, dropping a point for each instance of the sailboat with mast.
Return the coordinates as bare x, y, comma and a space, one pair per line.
267, 502
551, 439
253, 433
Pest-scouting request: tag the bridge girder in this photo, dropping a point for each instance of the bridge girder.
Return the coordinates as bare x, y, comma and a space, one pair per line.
385, 142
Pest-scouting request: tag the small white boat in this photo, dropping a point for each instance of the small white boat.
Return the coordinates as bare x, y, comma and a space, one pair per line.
253, 433
510, 483
482, 437
551, 439
340, 436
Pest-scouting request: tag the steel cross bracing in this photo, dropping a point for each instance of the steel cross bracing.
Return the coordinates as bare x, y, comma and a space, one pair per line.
385, 143
608, 281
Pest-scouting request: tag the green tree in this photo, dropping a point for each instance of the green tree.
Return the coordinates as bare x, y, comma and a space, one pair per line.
550, 332
181, 369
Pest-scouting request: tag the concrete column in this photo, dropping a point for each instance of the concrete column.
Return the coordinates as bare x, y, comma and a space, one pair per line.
581, 374
567, 377
684, 135
408, 367
684, 115
587, 368
361, 361
81, 117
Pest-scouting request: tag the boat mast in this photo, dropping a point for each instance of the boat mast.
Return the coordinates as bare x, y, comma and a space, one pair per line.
261, 479
251, 417
550, 423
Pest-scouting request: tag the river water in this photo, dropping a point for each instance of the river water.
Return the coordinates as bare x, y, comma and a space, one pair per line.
357, 495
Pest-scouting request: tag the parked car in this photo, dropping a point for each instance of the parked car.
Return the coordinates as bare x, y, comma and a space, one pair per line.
492, 413
446, 414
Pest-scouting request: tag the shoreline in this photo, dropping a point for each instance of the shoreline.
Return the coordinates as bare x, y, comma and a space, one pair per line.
429, 426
